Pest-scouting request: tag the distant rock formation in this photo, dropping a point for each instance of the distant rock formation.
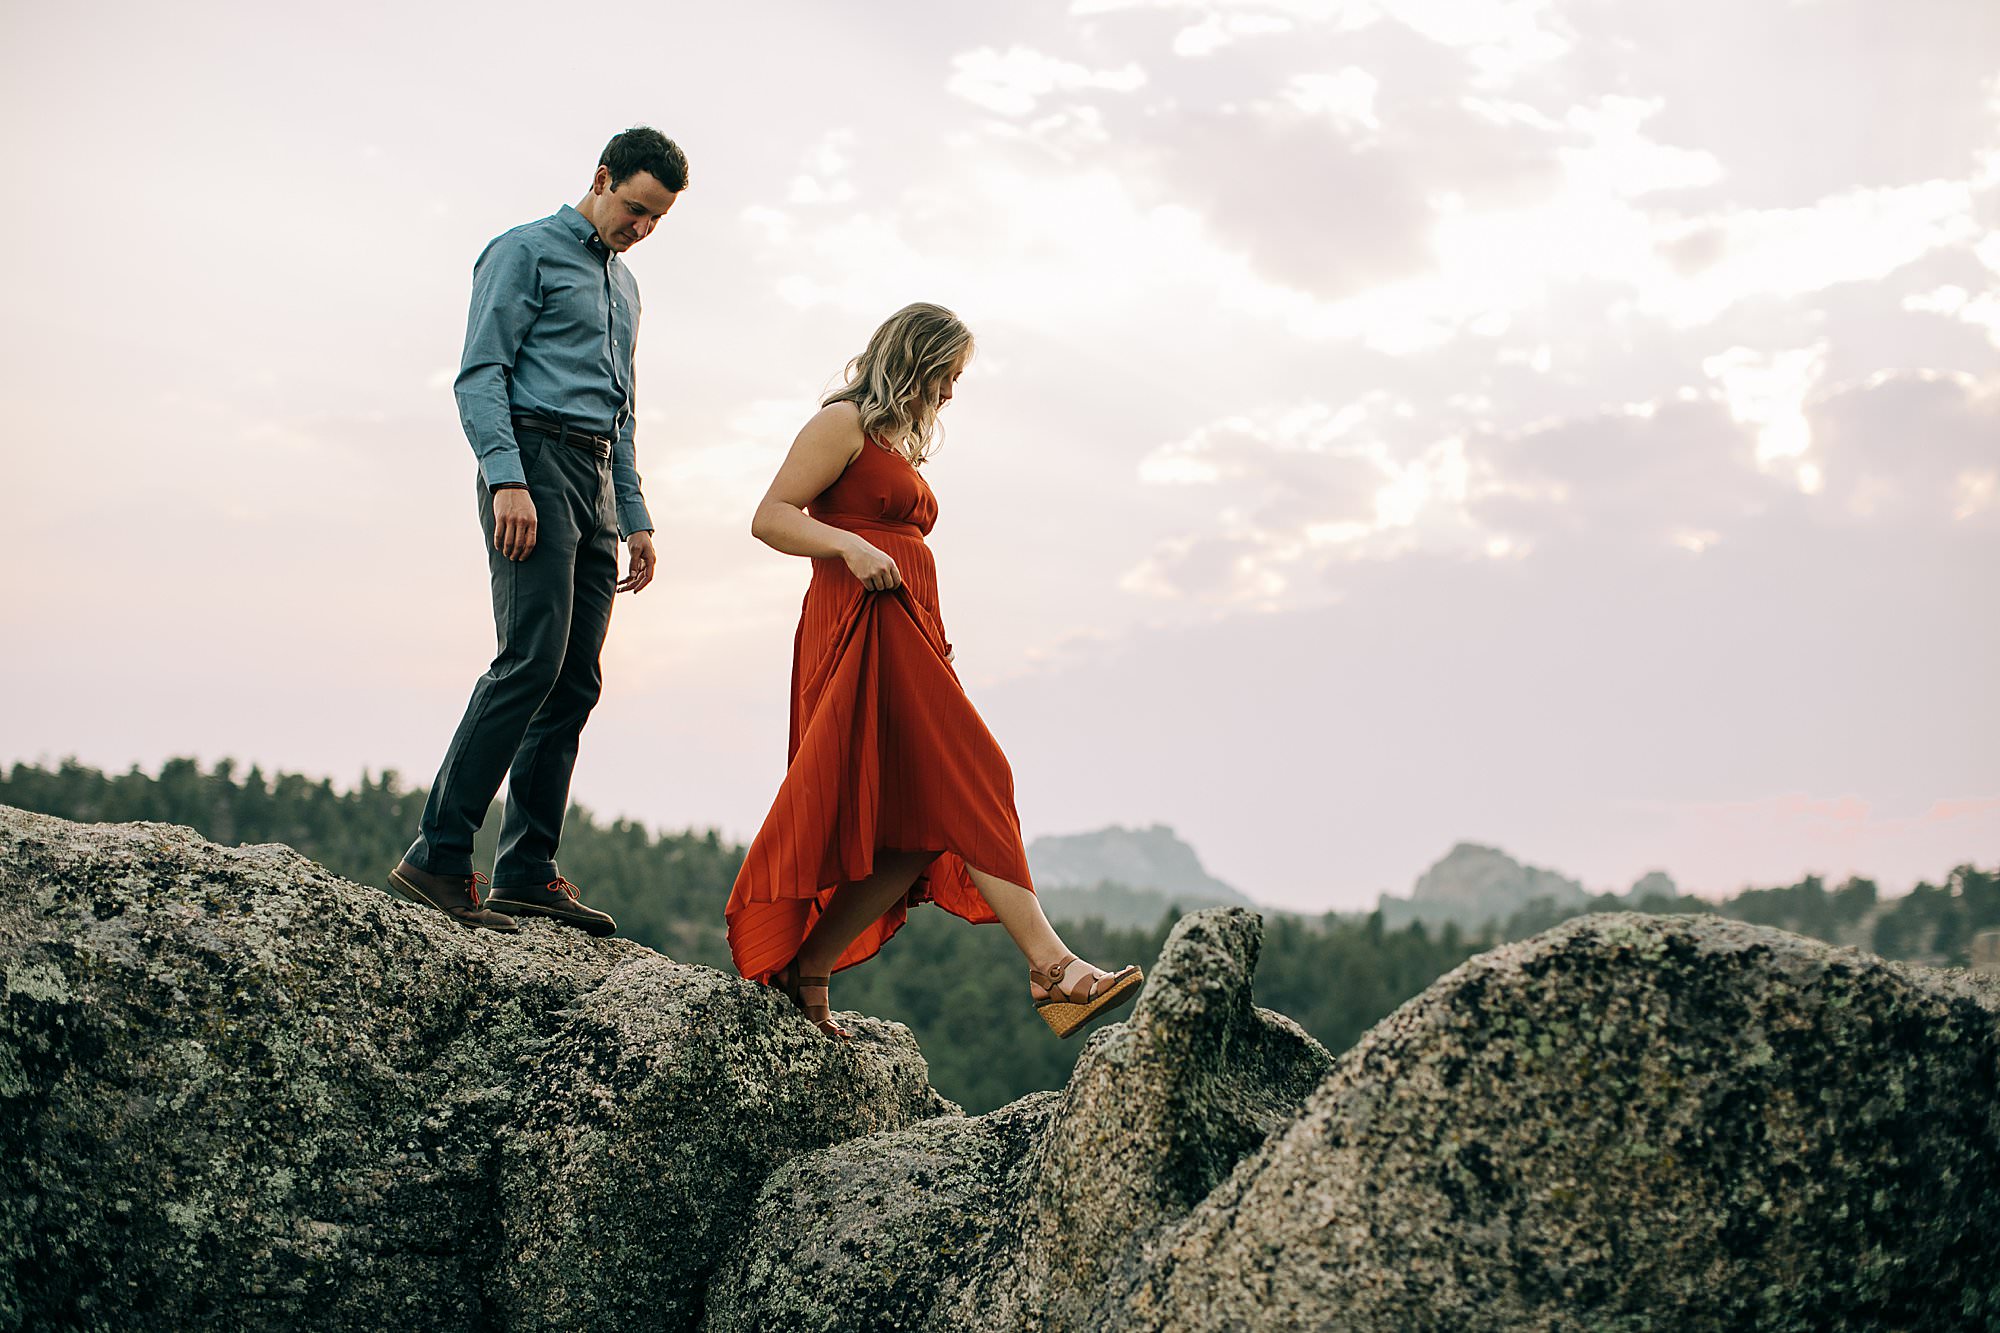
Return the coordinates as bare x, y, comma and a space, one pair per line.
1473, 885
1653, 884
1125, 877
238, 1092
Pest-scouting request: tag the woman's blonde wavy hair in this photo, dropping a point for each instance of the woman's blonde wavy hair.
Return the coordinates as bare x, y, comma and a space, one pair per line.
897, 378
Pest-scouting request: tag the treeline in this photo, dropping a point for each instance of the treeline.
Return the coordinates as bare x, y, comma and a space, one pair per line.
963, 991
663, 889
1932, 923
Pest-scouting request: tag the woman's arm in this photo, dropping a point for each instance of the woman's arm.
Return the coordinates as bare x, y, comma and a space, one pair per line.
824, 448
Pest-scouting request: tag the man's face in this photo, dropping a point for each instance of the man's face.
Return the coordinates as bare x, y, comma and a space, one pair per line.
627, 214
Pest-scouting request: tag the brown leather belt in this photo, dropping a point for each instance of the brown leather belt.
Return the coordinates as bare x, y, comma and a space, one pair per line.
565, 433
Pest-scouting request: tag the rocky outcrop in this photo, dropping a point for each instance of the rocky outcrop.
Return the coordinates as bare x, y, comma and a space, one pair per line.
915, 1230
238, 1092
1019, 1218
1627, 1122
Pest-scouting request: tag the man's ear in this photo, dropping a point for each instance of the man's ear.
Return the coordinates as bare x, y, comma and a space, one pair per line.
602, 180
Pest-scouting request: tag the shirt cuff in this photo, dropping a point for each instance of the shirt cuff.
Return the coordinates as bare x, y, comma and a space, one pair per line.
632, 517
501, 468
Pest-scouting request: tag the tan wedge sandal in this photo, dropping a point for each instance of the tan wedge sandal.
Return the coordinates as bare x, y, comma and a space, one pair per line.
1066, 1010
816, 1007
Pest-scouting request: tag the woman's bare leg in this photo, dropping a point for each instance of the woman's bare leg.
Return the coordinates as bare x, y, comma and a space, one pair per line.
1020, 911
858, 905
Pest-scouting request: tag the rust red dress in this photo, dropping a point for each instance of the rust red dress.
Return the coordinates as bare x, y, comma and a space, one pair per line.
886, 750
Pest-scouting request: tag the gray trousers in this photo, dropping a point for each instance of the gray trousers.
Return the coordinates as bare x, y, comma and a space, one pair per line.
550, 613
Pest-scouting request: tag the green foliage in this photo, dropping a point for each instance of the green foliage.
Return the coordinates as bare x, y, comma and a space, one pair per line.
962, 990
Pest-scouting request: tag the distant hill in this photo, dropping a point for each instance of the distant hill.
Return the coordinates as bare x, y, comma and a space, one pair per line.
1473, 885
1124, 876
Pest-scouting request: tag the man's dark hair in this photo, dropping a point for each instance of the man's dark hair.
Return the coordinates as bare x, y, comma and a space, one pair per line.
643, 148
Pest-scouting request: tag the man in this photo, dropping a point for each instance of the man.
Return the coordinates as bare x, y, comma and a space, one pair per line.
545, 395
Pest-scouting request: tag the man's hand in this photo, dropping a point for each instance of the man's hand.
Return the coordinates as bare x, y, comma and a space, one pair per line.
514, 523
640, 544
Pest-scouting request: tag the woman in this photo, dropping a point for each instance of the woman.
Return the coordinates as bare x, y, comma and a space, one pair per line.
895, 793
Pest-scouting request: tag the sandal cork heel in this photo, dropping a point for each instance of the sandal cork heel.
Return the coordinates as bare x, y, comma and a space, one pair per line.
1067, 1009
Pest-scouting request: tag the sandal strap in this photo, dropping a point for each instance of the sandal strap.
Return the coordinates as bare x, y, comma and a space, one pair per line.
816, 1006
1106, 980
819, 1010
1050, 978
1086, 989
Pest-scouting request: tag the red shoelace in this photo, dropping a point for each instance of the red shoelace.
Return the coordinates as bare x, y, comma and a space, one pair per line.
479, 882
564, 887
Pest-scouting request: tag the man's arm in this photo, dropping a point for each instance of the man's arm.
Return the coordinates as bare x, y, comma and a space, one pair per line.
506, 298
634, 523
632, 515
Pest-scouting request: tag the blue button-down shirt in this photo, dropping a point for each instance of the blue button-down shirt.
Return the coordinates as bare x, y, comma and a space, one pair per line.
554, 316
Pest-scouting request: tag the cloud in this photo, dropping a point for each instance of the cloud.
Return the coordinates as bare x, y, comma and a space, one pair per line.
1345, 97
1013, 81
1804, 101
1297, 450
1498, 39
1679, 474
1577, 146
1295, 492
1289, 509
1219, 30
1716, 260
1981, 311
1314, 206
825, 177
1767, 391
1911, 449
1900, 451
1223, 571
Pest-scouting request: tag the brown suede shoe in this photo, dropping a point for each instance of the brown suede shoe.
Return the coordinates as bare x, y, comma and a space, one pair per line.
556, 900
457, 896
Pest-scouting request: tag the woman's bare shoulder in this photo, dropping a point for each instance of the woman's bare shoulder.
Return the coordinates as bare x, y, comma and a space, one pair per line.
836, 424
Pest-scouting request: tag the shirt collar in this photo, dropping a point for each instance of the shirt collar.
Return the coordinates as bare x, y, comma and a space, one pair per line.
580, 226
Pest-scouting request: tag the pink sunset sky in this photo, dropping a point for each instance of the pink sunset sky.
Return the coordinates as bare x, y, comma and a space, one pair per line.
1565, 425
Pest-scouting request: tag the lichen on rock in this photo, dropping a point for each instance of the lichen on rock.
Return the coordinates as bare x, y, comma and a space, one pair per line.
1062, 1192
237, 1091
1626, 1122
